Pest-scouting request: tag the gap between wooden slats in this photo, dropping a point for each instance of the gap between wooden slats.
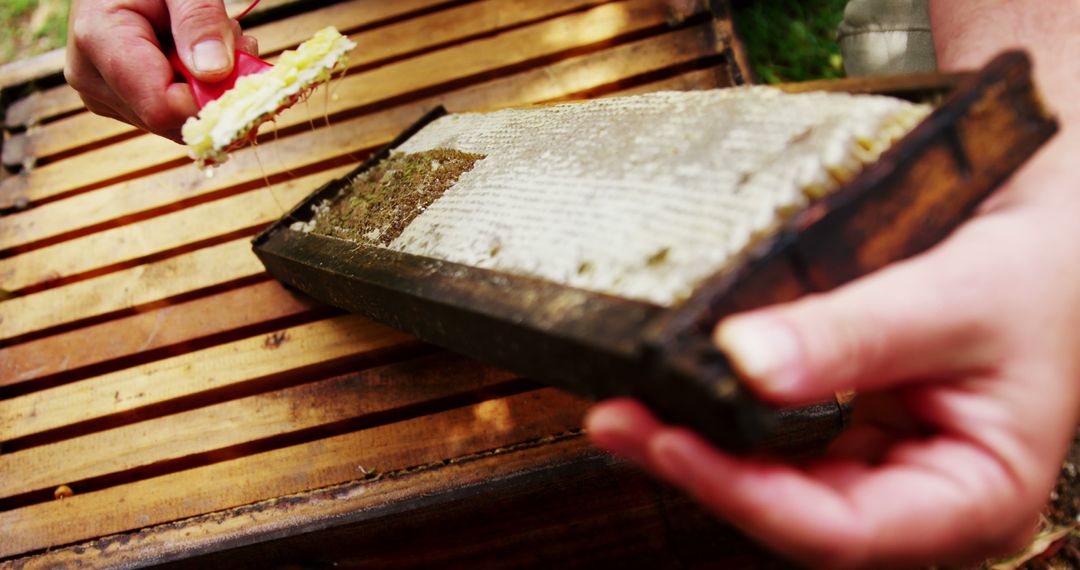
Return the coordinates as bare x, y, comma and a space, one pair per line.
270, 420
375, 501
55, 265
416, 442
113, 399
217, 265
174, 329
586, 75
378, 47
425, 75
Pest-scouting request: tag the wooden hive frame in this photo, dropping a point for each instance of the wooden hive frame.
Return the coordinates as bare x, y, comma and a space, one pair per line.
913, 196
198, 410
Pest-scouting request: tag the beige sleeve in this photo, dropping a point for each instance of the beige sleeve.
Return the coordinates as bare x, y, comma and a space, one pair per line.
879, 37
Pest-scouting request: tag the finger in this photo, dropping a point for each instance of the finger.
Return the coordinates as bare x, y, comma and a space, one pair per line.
204, 37
867, 444
947, 502
94, 91
122, 47
899, 324
248, 44
621, 426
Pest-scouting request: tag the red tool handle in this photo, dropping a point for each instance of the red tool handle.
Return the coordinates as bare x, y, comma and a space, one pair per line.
246, 64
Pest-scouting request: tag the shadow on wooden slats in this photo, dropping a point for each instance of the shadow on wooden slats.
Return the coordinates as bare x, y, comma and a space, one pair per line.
107, 399
248, 425
621, 518
415, 442
175, 329
55, 265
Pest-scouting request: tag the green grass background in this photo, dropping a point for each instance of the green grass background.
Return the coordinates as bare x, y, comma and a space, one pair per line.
30, 27
789, 40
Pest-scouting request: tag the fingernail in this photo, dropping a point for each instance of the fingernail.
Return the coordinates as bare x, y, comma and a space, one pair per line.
763, 349
210, 56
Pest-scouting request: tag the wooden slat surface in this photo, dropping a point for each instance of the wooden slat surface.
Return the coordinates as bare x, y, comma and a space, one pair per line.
292, 469
133, 287
568, 78
41, 106
147, 361
149, 332
357, 500
414, 75
379, 44
170, 231
236, 422
214, 368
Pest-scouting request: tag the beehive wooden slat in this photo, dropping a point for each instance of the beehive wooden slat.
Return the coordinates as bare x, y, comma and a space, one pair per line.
245, 211
575, 76
129, 288
273, 37
689, 81
135, 279
315, 344
42, 105
23, 71
171, 328
602, 23
379, 44
404, 444
235, 422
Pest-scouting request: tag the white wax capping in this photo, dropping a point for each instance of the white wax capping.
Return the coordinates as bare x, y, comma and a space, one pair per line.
642, 197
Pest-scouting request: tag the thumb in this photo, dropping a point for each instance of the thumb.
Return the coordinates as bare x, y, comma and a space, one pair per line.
204, 37
907, 322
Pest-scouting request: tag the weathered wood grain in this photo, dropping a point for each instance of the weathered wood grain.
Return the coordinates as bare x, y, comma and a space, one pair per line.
564, 78
129, 288
318, 343
42, 105
172, 328
378, 44
170, 231
476, 58
416, 442
26, 70
232, 423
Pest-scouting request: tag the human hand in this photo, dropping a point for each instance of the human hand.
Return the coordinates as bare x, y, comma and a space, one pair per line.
116, 61
967, 360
